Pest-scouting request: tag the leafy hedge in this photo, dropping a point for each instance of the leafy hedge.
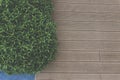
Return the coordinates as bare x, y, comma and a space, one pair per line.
27, 35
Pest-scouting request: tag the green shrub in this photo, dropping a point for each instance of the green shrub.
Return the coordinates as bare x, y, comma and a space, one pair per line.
27, 35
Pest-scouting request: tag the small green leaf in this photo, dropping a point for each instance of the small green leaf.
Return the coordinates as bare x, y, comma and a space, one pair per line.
0, 2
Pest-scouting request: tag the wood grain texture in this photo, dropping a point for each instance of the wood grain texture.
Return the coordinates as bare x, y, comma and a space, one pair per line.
110, 56
67, 76
77, 56
83, 67
78, 35
86, 7
80, 45
110, 46
88, 26
77, 16
100, 2
110, 76
88, 35
110, 68
73, 67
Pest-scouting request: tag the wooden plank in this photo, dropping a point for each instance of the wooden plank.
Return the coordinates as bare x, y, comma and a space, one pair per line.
79, 45
83, 67
78, 35
112, 2
88, 26
110, 76
108, 26
110, 36
86, 7
70, 25
88, 35
76, 16
73, 67
110, 68
66, 76
110, 46
77, 56
110, 56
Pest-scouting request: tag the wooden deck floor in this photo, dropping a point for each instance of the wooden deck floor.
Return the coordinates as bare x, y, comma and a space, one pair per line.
89, 41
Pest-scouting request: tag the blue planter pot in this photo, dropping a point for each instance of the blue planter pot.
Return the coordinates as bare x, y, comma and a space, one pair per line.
4, 76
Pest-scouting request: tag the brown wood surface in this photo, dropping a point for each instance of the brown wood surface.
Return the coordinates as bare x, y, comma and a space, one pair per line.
88, 41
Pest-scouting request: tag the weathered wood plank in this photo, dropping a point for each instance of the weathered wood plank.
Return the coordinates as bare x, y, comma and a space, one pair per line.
77, 16
79, 45
78, 35
73, 67
110, 68
112, 2
86, 7
77, 56
110, 56
110, 35
69, 25
94, 26
110, 76
66, 76
110, 46
88, 35
83, 67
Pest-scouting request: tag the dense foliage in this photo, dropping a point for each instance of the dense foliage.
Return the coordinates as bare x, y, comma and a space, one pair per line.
27, 35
